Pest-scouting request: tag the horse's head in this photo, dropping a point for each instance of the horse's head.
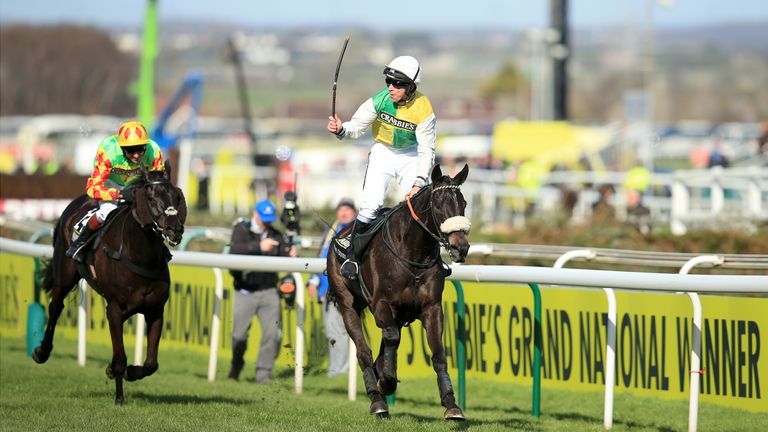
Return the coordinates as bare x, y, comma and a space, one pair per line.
448, 207
161, 206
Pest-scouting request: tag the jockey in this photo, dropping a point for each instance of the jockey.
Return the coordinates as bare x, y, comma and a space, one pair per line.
404, 142
117, 164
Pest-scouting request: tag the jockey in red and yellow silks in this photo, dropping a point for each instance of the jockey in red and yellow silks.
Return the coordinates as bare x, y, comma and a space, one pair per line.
112, 170
117, 164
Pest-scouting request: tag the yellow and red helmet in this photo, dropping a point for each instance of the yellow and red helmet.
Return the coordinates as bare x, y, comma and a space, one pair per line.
132, 133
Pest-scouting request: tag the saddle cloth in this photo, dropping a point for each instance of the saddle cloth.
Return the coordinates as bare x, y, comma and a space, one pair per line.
79, 225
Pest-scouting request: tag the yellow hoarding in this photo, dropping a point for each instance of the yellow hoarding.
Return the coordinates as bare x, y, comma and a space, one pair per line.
653, 335
548, 142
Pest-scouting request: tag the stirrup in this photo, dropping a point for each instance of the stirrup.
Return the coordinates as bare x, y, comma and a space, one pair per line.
346, 273
76, 254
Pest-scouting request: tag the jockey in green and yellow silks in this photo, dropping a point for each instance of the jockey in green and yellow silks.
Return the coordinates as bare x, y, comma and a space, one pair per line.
118, 163
403, 128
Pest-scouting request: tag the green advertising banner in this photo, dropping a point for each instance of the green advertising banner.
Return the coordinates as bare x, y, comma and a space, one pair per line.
653, 334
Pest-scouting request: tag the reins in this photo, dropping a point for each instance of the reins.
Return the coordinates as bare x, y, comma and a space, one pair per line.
117, 255
440, 239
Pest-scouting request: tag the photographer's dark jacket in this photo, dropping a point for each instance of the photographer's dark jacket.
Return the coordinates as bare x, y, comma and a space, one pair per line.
246, 242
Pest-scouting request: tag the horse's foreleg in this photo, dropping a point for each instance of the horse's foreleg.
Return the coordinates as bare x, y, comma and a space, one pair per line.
386, 362
154, 329
433, 323
365, 359
116, 369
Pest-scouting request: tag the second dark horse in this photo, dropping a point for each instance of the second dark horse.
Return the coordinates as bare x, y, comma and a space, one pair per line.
128, 268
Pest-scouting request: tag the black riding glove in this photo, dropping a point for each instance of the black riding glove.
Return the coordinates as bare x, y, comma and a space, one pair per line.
127, 194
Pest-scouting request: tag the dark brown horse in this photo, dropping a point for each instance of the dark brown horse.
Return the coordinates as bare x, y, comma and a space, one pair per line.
401, 280
128, 266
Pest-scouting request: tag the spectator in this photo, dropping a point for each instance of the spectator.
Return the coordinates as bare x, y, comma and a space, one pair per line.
338, 339
256, 292
762, 142
635, 185
603, 208
201, 166
716, 156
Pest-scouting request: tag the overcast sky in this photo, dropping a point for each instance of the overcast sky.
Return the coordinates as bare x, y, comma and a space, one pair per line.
424, 14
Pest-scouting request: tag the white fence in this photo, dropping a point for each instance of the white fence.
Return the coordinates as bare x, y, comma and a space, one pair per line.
608, 280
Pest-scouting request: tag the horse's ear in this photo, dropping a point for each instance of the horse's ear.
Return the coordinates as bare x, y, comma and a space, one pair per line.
462, 175
168, 170
437, 173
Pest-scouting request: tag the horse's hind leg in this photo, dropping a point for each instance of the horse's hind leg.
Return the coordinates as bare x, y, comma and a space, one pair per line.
116, 369
154, 329
433, 323
58, 286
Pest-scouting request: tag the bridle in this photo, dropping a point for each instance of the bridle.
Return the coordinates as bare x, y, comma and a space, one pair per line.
168, 211
448, 226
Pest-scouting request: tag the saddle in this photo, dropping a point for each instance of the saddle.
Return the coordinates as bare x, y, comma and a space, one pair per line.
341, 244
93, 242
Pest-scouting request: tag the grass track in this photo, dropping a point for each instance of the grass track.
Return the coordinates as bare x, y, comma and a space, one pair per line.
61, 396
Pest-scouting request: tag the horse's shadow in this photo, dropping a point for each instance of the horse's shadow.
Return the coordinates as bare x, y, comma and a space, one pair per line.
177, 399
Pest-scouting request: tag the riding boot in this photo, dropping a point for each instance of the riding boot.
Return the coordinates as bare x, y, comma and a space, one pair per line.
76, 249
349, 268
238, 352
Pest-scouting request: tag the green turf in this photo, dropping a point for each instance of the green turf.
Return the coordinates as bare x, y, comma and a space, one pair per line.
62, 396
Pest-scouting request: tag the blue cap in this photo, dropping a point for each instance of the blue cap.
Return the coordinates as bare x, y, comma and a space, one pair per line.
266, 211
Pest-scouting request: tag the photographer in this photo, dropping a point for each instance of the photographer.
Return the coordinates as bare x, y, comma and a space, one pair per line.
256, 292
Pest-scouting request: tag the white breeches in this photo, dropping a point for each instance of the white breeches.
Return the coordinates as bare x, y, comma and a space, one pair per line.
105, 207
384, 164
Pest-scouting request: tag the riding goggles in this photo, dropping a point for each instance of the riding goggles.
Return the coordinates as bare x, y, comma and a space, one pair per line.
396, 83
135, 149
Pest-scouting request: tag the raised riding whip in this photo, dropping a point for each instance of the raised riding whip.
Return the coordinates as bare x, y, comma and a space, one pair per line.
336, 75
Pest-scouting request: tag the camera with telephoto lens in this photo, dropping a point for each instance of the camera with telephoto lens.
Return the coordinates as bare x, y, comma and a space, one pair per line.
291, 219
287, 290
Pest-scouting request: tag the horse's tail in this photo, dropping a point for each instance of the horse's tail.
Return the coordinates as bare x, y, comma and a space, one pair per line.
46, 280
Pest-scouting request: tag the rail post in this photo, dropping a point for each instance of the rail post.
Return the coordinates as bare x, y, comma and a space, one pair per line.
695, 372
461, 350
537, 346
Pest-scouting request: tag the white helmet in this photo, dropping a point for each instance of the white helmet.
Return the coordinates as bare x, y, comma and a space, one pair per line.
404, 68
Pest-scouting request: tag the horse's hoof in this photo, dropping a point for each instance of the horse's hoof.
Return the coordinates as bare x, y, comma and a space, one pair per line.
384, 415
454, 414
380, 408
120, 401
133, 373
39, 356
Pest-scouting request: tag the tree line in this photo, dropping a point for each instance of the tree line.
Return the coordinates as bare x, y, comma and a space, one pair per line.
64, 69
